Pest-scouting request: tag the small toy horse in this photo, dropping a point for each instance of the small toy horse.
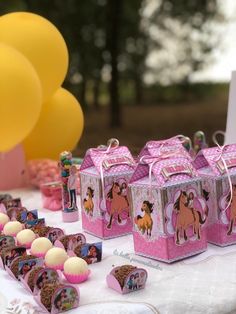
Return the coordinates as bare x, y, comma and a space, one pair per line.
145, 223
88, 203
119, 202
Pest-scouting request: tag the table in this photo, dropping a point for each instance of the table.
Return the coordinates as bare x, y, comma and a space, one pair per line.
205, 283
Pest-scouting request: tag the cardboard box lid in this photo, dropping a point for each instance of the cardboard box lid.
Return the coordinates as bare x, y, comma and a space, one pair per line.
168, 160
211, 157
116, 160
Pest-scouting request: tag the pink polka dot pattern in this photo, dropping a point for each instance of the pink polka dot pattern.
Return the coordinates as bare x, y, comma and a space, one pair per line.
160, 150
210, 156
95, 157
165, 249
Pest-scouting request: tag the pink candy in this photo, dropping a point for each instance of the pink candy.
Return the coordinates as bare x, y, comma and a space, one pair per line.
42, 171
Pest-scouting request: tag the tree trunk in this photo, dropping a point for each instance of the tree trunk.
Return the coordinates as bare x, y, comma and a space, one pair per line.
82, 97
114, 18
138, 91
96, 89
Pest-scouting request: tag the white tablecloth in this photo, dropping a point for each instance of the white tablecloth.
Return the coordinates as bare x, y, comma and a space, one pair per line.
205, 283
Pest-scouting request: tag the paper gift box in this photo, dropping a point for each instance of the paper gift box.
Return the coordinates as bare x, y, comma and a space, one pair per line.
221, 229
168, 206
104, 176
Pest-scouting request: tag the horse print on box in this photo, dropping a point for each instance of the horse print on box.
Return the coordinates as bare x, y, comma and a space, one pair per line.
145, 222
104, 176
186, 215
221, 229
88, 201
228, 210
168, 204
117, 202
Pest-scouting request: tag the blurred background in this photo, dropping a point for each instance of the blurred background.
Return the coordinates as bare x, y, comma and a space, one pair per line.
144, 69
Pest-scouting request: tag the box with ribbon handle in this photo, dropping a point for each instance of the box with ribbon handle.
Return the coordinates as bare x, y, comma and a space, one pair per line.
168, 203
104, 174
217, 167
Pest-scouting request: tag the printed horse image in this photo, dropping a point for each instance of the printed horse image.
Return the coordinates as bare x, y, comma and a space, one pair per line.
145, 223
232, 210
119, 202
88, 203
187, 217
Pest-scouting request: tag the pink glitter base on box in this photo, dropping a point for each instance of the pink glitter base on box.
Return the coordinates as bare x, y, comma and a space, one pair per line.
99, 229
217, 234
165, 249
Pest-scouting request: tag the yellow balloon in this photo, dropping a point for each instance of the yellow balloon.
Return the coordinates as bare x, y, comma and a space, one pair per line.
41, 42
59, 127
20, 97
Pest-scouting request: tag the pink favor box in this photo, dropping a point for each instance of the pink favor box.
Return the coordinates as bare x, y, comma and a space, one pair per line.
168, 204
221, 228
104, 185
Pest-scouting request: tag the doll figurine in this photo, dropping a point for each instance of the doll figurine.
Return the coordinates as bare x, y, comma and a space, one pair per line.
72, 186
69, 187
199, 141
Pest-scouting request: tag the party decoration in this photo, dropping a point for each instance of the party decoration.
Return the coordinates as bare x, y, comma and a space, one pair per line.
69, 179
170, 207
59, 127
13, 169
20, 97
41, 43
104, 176
41, 171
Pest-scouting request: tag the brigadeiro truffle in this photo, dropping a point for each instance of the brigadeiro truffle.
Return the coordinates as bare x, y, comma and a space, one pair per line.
77, 250
25, 238
41, 231
55, 258
3, 220
40, 246
65, 240
76, 270
19, 214
122, 273
15, 264
32, 275
47, 292
12, 228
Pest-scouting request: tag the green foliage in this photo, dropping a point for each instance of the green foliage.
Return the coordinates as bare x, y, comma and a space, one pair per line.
188, 32
179, 35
